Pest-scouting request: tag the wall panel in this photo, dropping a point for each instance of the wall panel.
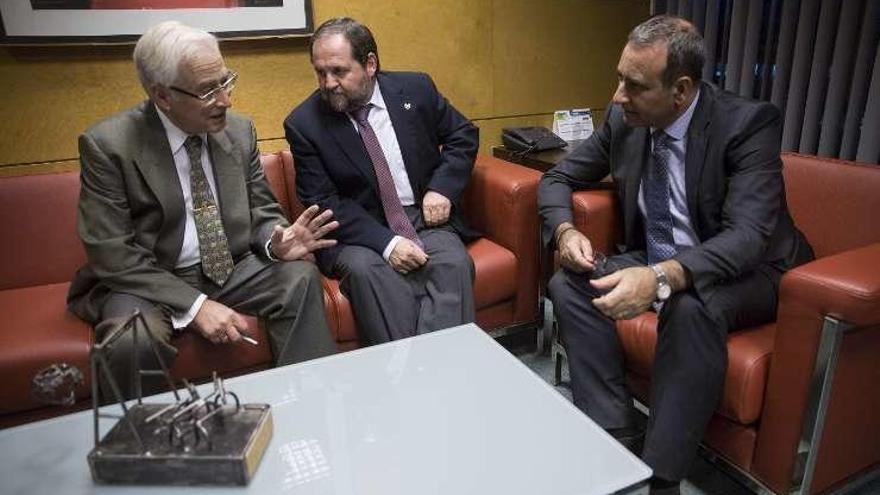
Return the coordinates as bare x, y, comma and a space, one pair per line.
501, 62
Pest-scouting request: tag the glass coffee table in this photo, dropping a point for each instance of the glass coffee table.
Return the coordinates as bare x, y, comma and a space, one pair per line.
451, 412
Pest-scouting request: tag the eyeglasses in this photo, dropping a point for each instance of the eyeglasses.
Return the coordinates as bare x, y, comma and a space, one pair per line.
226, 86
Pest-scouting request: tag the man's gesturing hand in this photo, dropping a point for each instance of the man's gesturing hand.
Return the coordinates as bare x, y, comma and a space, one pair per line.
407, 256
218, 323
304, 236
435, 208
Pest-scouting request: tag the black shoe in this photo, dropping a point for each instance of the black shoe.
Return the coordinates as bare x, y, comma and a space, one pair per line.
663, 487
631, 438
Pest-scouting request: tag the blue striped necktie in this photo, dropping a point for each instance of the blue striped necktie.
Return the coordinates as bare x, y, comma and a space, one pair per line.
658, 231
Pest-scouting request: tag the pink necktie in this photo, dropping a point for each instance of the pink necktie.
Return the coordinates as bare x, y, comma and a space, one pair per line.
394, 214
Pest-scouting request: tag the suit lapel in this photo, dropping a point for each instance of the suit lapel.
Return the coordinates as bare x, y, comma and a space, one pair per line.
156, 164
341, 129
638, 143
402, 111
228, 177
695, 155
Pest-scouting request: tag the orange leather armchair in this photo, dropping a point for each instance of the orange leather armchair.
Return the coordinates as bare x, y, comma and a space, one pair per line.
800, 409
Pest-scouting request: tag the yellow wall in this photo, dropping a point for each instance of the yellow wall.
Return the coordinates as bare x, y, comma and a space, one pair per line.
500, 62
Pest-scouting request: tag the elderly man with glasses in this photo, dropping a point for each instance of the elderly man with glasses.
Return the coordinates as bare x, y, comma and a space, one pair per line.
178, 221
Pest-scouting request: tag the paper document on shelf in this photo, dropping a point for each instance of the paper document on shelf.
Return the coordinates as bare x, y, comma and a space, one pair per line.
573, 124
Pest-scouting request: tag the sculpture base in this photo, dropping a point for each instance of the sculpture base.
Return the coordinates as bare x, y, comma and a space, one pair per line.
238, 440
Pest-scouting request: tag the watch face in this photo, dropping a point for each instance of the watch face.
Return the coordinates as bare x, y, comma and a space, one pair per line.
663, 292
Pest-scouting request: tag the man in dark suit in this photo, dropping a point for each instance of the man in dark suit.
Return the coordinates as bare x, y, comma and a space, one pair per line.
390, 156
156, 238
707, 236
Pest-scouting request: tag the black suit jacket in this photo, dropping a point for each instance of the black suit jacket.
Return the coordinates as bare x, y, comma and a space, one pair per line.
733, 183
132, 213
438, 144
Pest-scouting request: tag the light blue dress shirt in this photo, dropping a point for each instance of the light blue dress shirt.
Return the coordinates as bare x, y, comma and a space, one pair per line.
682, 230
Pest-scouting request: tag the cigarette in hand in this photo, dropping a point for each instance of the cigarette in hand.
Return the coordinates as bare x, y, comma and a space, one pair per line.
249, 340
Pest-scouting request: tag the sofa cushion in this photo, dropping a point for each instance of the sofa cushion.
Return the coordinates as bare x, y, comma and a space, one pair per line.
340, 316
41, 244
273, 168
37, 332
296, 207
496, 273
821, 191
749, 352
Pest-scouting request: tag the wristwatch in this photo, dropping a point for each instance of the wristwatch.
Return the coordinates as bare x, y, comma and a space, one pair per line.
664, 290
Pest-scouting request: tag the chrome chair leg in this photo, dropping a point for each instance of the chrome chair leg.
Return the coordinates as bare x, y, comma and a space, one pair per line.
557, 348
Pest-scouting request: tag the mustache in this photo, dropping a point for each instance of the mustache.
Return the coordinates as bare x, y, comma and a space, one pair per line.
331, 92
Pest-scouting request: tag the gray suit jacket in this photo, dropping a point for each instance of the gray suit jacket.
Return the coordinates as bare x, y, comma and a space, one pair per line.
131, 208
733, 183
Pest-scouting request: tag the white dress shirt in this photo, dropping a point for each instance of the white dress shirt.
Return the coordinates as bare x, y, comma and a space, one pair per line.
189, 251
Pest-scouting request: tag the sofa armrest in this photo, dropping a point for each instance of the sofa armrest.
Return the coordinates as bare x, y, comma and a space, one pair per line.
846, 287
501, 201
596, 214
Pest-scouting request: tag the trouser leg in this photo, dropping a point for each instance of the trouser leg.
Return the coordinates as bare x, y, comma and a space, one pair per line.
383, 302
445, 285
691, 361
390, 306
595, 356
289, 296
117, 310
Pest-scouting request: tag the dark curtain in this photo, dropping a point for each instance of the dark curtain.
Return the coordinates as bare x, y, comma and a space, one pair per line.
817, 60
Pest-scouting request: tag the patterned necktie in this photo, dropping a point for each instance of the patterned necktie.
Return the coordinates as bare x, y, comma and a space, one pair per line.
658, 231
213, 246
394, 214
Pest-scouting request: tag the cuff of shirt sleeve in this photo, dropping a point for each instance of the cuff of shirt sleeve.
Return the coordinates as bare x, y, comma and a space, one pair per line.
390, 247
180, 320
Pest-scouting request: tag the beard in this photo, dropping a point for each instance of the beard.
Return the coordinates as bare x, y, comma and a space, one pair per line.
344, 101
338, 101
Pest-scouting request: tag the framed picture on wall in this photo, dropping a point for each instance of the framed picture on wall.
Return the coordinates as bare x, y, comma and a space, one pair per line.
123, 21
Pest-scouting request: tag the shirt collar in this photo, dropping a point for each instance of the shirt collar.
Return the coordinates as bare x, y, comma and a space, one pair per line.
377, 100
176, 136
678, 129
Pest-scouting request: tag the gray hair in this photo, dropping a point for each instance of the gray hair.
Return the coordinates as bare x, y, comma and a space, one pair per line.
163, 47
686, 52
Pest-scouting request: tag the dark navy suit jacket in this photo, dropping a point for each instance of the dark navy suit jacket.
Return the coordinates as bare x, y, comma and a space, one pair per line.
733, 182
438, 144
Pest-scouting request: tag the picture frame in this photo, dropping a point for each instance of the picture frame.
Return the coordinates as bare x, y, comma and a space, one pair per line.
63, 22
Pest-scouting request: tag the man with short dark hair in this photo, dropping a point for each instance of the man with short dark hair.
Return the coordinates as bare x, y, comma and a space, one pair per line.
178, 221
390, 156
707, 236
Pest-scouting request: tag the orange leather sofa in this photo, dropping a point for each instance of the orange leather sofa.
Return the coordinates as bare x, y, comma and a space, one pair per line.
41, 251
801, 404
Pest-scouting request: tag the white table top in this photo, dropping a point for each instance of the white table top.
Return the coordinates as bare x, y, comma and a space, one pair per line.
451, 412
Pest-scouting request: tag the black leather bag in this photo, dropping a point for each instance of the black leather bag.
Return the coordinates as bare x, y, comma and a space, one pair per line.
530, 139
